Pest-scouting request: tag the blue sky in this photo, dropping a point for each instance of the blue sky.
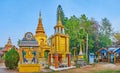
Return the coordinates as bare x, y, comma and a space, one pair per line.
20, 16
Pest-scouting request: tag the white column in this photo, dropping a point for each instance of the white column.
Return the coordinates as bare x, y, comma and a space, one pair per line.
56, 30
63, 30
59, 29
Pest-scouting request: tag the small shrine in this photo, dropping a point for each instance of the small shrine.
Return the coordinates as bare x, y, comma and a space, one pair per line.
116, 55
28, 50
60, 55
103, 55
80, 60
41, 38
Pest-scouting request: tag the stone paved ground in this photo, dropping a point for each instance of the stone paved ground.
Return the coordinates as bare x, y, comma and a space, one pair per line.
85, 69
93, 68
4, 70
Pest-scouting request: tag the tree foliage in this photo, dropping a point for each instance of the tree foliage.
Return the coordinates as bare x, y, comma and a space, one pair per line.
78, 27
105, 33
12, 59
62, 16
117, 38
99, 35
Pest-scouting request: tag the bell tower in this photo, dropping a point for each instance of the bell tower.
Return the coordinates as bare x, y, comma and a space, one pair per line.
59, 43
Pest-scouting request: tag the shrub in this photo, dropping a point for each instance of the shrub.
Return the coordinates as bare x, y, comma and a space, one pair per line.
85, 58
12, 59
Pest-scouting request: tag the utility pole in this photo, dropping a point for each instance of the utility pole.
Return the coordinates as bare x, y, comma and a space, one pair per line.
87, 46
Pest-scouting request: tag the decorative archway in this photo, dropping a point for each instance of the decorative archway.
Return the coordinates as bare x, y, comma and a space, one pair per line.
46, 53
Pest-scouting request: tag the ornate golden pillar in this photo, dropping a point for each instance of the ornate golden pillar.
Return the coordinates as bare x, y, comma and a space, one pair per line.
21, 57
67, 44
114, 57
42, 52
98, 57
108, 57
56, 47
58, 44
37, 56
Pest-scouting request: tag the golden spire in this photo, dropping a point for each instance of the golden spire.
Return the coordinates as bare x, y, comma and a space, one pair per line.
59, 20
59, 23
40, 16
9, 41
40, 28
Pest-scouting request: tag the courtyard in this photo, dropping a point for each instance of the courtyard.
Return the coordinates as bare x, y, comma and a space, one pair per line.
95, 68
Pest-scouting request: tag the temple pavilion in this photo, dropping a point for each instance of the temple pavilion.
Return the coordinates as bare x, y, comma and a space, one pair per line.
29, 54
59, 43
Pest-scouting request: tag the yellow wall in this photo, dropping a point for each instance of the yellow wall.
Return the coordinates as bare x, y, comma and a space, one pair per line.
62, 45
29, 67
28, 52
42, 40
59, 44
43, 45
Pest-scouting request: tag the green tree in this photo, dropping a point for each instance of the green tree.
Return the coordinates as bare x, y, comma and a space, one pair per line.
105, 33
71, 27
98, 35
85, 23
95, 26
12, 59
62, 16
117, 38
77, 30
106, 27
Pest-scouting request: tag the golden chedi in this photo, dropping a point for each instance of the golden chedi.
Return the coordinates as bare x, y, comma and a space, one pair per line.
41, 38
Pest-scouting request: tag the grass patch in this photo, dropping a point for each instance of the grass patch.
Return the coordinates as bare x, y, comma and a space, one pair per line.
107, 71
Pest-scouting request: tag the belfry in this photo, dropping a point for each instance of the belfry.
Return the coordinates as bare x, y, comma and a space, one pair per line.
59, 42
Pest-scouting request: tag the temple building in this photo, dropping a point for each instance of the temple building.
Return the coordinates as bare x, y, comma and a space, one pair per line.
29, 54
103, 55
59, 42
7, 47
41, 38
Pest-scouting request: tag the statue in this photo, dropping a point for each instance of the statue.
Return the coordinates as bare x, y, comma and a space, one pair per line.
23, 55
34, 56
